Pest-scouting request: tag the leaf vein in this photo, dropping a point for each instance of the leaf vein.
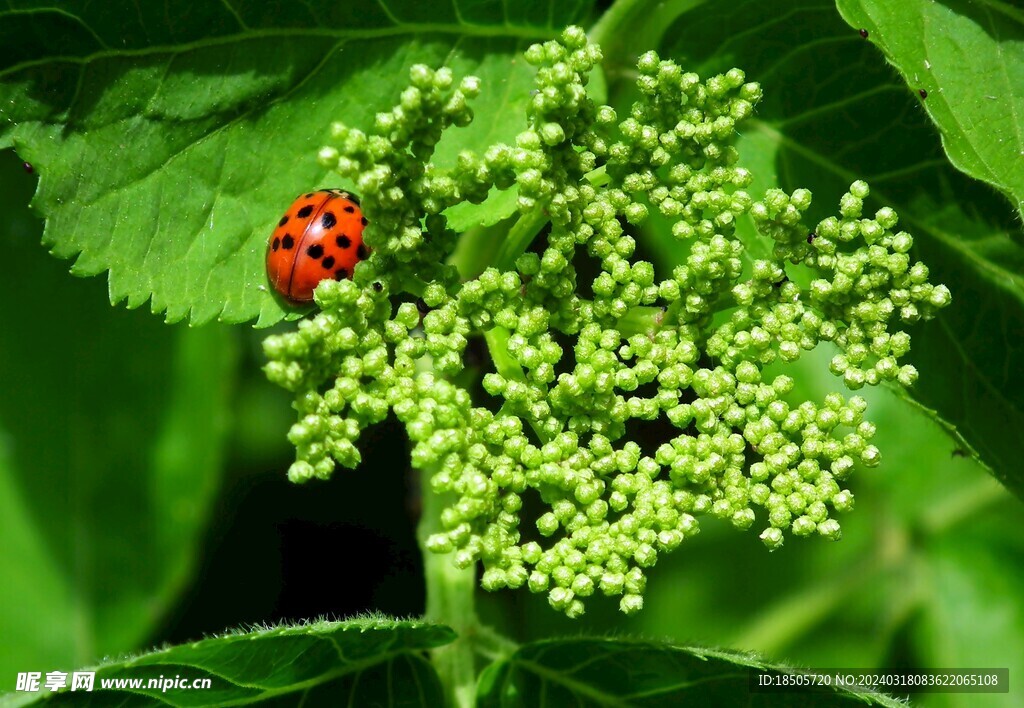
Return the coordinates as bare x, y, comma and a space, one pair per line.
234, 12
57, 11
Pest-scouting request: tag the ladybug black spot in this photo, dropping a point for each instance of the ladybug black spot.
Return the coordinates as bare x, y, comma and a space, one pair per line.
309, 195
350, 209
305, 211
328, 220
283, 221
364, 221
329, 262
343, 241
315, 251
362, 252
340, 274
277, 244
287, 242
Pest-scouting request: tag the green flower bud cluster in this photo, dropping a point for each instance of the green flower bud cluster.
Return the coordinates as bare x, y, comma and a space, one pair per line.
580, 368
866, 288
390, 167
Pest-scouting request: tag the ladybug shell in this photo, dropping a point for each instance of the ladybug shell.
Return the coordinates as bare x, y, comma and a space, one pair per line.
320, 236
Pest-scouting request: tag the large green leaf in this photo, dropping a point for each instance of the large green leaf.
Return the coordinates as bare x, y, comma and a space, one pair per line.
834, 112
373, 661
111, 436
170, 139
623, 672
968, 57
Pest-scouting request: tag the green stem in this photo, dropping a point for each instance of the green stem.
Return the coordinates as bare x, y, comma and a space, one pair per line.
450, 602
450, 590
519, 238
614, 20
641, 320
507, 366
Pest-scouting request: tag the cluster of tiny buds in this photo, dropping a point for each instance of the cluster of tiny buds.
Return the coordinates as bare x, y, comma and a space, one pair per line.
583, 363
866, 285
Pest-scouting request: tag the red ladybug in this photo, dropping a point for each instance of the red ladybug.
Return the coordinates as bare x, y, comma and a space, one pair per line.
320, 236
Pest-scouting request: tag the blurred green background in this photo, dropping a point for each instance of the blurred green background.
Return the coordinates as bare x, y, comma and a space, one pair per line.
144, 500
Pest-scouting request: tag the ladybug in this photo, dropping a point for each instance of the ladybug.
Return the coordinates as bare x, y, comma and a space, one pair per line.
320, 236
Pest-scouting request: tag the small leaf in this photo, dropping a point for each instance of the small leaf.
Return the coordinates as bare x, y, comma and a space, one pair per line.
968, 60
169, 142
623, 672
373, 661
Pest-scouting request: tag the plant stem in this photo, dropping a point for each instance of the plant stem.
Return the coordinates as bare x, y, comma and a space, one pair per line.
449, 602
641, 320
519, 238
613, 20
450, 590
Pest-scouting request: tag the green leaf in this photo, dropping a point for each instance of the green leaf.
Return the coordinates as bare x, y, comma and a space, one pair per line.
112, 428
969, 59
834, 112
372, 661
624, 672
169, 140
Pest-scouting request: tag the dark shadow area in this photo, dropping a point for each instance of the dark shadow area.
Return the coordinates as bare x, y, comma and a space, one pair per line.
280, 551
